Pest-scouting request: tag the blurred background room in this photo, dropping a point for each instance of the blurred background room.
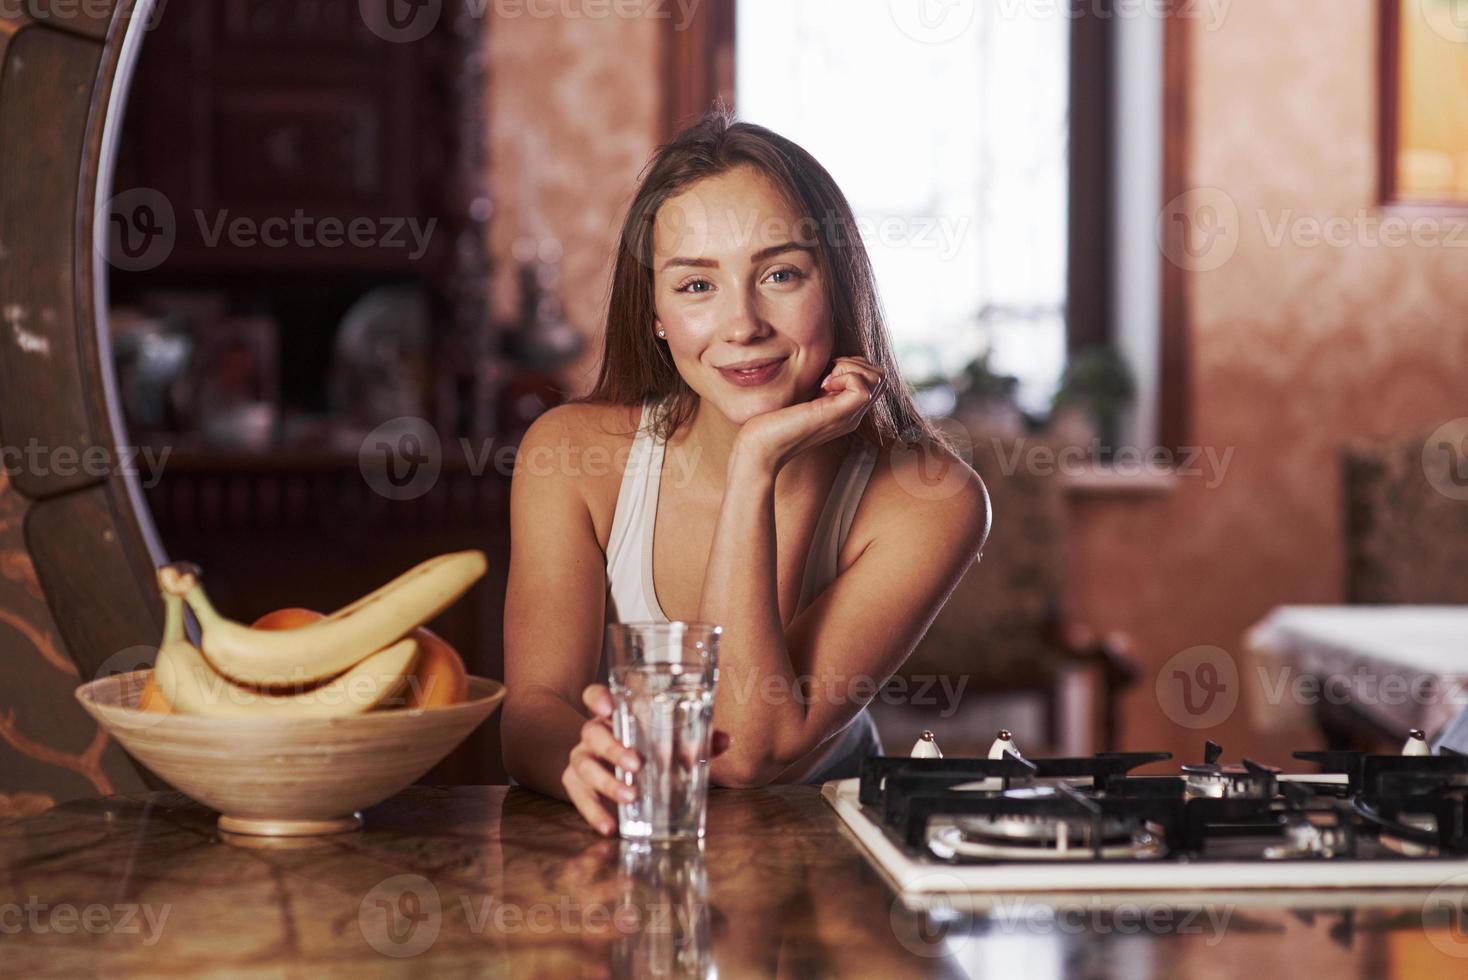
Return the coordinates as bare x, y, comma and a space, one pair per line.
1184, 280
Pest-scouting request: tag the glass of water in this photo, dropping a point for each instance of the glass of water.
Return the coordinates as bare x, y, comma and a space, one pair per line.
662, 679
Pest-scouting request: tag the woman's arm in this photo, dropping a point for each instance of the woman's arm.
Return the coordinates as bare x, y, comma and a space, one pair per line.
554, 604
556, 727
782, 692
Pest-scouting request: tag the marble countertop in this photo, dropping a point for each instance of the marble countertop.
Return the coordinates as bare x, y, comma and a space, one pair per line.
499, 881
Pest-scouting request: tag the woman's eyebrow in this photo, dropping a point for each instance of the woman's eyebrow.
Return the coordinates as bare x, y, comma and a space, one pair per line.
759, 256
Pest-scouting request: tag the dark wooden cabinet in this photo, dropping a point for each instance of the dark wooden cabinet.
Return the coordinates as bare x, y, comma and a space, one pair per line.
271, 113
288, 157
266, 126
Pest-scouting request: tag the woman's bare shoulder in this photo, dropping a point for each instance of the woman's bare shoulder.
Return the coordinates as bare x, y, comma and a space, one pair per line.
577, 451
580, 424
918, 486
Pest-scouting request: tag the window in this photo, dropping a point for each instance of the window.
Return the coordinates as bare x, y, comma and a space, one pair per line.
950, 138
1424, 111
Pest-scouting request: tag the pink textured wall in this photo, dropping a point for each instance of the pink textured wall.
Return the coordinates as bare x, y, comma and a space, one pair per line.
574, 109
1296, 348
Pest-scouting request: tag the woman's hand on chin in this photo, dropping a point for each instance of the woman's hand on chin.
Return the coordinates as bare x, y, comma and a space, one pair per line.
772, 439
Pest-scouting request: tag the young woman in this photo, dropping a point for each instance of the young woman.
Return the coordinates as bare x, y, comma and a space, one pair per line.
749, 457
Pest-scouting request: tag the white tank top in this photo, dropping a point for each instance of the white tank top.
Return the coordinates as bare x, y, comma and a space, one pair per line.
631, 596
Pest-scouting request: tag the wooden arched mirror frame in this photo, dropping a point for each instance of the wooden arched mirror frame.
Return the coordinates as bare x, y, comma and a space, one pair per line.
76, 540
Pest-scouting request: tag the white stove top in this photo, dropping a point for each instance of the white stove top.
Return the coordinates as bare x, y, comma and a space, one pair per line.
920, 880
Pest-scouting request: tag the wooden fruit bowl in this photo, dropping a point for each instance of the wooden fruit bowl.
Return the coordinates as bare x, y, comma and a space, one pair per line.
301, 777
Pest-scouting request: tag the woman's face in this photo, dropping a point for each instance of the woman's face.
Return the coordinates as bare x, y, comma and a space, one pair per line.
736, 285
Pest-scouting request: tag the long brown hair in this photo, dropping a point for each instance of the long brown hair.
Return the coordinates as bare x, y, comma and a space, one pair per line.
636, 364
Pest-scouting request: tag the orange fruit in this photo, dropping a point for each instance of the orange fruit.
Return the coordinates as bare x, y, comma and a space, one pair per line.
439, 677
152, 698
287, 619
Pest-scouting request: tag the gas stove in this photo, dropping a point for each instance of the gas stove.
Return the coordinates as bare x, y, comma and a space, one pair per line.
1010, 823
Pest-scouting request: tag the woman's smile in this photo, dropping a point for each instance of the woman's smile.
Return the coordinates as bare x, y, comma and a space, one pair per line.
749, 374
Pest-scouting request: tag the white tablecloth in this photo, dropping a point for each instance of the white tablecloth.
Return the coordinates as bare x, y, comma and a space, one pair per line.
1401, 666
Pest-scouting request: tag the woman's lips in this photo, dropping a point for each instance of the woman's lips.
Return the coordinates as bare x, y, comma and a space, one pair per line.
758, 376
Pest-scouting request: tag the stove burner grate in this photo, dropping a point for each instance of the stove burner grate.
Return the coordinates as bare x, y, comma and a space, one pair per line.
1092, 808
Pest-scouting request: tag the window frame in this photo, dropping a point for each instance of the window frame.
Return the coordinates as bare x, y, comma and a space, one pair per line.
698, 71
1389, 91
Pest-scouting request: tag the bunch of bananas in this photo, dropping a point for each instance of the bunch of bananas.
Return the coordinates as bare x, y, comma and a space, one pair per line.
365, 655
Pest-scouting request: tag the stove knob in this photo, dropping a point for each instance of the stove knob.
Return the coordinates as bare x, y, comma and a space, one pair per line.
926, 747
1003, 742
1416, 743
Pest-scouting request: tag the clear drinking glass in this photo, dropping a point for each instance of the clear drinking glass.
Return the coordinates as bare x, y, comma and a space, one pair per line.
662, 679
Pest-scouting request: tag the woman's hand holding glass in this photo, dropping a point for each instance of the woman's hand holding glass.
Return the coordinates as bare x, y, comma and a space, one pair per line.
590, 779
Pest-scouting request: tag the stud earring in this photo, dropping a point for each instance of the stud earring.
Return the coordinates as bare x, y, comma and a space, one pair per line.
662, 333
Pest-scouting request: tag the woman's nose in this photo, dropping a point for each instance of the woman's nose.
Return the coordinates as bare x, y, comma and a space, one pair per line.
742, 321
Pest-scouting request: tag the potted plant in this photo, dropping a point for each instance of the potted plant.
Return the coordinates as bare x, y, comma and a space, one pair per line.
1098, 383
986, 398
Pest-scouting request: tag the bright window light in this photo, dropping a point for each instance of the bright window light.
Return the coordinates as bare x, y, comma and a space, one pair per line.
949, 137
